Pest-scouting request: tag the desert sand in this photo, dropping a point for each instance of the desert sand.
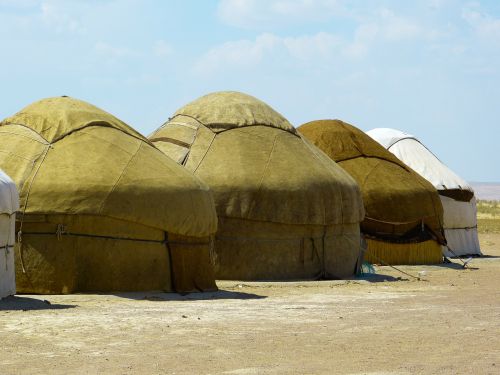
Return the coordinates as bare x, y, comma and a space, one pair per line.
387, 323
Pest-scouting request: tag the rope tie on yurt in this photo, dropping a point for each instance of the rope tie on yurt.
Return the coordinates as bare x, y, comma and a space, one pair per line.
323, 260
7, 246
238, 238
61, 229
301, 252
170, 261
464, 263
66, 233
211, 251
19, 240
316, 253
20, 232
393, 267
397, 222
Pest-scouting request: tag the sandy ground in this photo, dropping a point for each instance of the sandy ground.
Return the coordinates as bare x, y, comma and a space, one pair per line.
388, 323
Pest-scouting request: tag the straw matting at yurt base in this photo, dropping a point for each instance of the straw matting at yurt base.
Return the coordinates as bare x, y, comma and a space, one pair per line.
426, 252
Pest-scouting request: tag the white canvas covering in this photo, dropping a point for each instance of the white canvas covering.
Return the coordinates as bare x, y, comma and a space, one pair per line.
9, 204
460, 218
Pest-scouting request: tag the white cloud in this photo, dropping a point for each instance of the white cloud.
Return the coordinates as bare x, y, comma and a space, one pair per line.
258, 13
395, 28
55, 16
18, 4
386, 27
112, 54
363, 37
437, 4
246, 54
321, 45
241, 53
162, 49
143, 79
483, 24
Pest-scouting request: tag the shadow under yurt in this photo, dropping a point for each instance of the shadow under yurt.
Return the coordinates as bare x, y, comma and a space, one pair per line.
403, 221
457, 196
9, 204
101, 208
286, 211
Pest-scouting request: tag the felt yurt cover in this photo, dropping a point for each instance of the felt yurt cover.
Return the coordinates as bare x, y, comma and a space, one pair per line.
101, 208
401, 206
9, 204
285, 210
457, 196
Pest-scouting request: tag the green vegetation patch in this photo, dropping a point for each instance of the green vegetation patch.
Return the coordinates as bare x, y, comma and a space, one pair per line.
488, 225
488, 209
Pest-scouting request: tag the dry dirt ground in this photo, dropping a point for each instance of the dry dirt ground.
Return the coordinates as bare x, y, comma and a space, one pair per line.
384, 324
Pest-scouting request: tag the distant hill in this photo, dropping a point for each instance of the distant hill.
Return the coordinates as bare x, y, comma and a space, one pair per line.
487, 190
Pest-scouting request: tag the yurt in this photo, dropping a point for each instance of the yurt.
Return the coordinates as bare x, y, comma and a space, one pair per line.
403, 221
102, 209
9, 204
457, 196
286, 211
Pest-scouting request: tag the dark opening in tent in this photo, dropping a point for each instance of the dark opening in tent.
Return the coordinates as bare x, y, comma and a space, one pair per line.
404, 216
101, 208
286, 211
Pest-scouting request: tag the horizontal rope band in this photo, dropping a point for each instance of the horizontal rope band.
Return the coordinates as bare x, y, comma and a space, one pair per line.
236, 238
400, 222
115, 238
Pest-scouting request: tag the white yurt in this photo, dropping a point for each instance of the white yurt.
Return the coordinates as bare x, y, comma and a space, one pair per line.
9, 204
457, 196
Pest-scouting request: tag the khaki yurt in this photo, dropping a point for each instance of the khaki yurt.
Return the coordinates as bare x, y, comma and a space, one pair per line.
285, 210
457, 196
101, 208
9, 204
403, 221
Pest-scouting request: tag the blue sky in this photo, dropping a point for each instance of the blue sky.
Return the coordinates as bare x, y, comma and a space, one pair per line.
428, 67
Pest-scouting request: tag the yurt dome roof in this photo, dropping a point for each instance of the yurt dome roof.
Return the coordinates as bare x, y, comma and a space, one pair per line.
89, 162
226, 110
258, 167
396, 198
54, 118
412, 152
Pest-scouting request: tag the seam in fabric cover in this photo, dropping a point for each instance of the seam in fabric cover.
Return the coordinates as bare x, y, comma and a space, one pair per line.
119, 178
27, 127
206, 152
294, 131
264, 171
400, 164
370, 173
313, 151
16, 155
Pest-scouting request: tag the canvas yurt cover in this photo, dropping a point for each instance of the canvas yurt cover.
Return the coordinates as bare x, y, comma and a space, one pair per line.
457, 196
285, 210
403, 222
9, 204
101, 208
